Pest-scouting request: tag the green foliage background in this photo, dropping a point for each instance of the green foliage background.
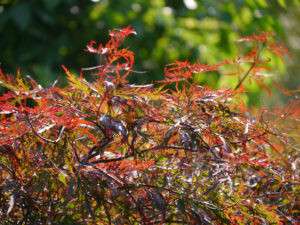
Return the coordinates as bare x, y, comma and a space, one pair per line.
38, 36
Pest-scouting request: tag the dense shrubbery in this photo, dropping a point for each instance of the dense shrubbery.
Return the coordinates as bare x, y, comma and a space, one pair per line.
110, 152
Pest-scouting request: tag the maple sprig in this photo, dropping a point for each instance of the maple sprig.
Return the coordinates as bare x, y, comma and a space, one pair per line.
113, 56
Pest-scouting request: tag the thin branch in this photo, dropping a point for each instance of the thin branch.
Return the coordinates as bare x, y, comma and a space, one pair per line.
107, 175
286, 217
96, 149
250, 69
111, 160
246, 75
103, 66
92, 68
12, 173
43, 138
158, 147
75, 151
207, 204
208, 146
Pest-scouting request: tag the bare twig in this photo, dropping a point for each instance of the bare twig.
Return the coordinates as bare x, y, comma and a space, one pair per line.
106, 174
102, 66
12, 173
158, 147
43, 138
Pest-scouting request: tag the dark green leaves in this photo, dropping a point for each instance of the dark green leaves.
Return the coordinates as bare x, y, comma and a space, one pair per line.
181, 206
70, 192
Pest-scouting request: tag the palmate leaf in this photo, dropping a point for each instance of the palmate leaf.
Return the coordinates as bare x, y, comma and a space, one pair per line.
262, 41
183, 71
262, 37
18, 85
76, 82
278, 50
128, 56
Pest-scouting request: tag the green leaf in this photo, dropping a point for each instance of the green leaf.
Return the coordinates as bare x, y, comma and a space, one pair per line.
181, 205
68, 164
268, 213
76, 82
70, 193
62, 178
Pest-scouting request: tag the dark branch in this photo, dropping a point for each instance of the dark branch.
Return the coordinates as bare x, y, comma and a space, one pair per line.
43, 138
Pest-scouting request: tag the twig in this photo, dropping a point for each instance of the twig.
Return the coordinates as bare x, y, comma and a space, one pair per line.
43, 138
107, 175
105, 141
208, 146
158, 147
102, 66
250, 69
12, 173
245, 76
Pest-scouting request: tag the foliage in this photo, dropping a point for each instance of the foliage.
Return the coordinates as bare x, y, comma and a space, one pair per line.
39, 35
111, 152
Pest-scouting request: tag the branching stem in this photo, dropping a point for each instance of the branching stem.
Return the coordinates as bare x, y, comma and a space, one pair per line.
43, 138
251, 68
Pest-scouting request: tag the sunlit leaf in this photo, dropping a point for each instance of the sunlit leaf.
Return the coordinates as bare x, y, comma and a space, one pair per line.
62, 178
11, 204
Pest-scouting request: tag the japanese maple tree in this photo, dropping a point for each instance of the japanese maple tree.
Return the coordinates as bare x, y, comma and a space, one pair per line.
110, 152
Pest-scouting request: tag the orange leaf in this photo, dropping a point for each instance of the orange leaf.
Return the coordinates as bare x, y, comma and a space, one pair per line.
91, 136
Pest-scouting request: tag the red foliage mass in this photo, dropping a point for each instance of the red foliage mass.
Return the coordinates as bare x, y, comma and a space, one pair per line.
109, 152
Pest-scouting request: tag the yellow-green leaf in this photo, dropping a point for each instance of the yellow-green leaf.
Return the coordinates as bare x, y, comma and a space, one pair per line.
62, 178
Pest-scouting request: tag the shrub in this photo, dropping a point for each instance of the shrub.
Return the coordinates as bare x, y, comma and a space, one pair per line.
110, 152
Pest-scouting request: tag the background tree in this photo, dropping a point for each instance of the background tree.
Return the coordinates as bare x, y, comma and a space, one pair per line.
38, 36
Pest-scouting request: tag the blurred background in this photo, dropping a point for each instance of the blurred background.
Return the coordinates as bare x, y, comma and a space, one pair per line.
38, 36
